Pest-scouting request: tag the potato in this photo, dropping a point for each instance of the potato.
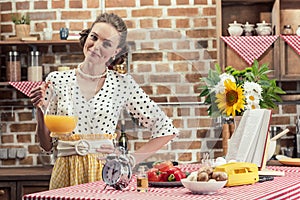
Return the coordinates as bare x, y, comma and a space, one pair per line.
207, 169
219, 176
193, 176
203, 176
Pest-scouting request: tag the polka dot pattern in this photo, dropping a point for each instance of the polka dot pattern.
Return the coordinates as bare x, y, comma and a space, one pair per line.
100, 114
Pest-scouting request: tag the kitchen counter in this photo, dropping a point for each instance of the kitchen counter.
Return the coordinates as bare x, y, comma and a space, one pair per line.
16, 182
25, 173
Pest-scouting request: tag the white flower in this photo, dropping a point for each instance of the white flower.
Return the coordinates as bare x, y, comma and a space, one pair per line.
252, 92
252, 88
220, 88
252, 105
252, 99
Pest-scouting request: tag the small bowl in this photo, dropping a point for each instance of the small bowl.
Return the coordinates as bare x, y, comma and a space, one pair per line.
200, 187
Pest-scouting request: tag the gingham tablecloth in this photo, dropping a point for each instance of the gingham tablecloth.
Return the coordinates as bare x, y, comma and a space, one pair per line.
250, 48
25, 86
293, 41
286, 187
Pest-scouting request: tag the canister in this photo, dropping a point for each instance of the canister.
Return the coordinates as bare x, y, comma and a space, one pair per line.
35, 70
13, 66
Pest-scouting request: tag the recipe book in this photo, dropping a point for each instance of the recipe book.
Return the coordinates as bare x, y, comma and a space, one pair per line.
249, 141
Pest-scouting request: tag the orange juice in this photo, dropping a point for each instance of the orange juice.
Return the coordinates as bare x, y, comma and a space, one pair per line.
60, 124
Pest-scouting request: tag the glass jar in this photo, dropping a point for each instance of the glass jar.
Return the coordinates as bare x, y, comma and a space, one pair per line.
35, 70
13, 66
34, 58
142, 179
287, 30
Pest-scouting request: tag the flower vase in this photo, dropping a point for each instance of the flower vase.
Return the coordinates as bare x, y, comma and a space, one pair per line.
225, 137
228, 128
237, 120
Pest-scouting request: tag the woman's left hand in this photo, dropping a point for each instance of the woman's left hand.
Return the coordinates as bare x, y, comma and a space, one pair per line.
106, 149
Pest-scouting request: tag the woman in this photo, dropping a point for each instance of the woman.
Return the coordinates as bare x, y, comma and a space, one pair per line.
100, 95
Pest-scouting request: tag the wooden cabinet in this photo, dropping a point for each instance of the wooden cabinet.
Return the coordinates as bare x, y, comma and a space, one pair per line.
28, 187
280, 56
15, 182
8, 190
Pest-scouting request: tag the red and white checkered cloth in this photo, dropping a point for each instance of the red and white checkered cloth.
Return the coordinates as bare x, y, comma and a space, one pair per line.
25, 86
286, 187
293, 41
250, 48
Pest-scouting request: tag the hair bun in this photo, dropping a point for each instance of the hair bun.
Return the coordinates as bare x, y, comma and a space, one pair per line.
83, 35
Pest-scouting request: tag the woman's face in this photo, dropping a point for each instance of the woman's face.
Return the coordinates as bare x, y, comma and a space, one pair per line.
101, 43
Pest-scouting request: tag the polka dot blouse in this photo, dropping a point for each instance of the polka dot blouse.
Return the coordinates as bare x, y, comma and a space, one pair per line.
100, 114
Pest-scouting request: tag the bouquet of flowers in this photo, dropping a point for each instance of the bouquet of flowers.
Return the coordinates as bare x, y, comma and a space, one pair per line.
234, 91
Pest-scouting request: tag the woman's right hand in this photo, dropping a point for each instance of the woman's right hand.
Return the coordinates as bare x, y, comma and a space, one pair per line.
37, 95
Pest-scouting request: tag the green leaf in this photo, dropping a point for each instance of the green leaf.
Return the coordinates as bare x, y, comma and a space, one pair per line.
218, 69
278, 90
204, 92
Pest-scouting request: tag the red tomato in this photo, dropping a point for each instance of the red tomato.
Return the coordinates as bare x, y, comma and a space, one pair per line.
178, 175
164, 176
163, 166
183, 174
154, 175
173, 169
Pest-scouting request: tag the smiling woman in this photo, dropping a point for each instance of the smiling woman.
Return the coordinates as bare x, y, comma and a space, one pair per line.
100, 94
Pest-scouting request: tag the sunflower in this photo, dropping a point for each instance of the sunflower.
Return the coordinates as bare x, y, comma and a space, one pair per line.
232, 99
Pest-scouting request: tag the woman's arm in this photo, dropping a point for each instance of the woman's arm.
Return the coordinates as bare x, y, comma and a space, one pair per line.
37, 96
42, 131
151, 147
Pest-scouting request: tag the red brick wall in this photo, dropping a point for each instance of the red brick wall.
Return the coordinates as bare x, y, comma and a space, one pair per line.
173, 44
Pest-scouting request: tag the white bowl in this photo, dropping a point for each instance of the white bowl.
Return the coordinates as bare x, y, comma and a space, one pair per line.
200, 187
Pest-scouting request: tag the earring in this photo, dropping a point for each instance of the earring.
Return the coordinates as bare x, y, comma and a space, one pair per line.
114, 57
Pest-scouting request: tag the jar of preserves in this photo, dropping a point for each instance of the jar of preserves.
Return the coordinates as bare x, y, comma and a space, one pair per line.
287, 30
13, 66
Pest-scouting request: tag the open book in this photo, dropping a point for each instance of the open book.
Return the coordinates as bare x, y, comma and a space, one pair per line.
249, 141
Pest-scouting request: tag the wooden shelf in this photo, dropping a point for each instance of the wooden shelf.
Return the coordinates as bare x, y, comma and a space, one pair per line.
39, 42
4, 83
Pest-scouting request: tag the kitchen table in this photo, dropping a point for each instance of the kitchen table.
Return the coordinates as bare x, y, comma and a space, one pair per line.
285, 187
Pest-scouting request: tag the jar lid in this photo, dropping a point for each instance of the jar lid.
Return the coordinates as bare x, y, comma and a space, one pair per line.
34, 53
263, 24
287, 26
248, 25
235, 24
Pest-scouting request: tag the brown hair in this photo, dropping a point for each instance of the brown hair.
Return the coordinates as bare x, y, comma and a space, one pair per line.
120, 26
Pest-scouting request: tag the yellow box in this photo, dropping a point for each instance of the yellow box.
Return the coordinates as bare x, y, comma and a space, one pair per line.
239, 173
